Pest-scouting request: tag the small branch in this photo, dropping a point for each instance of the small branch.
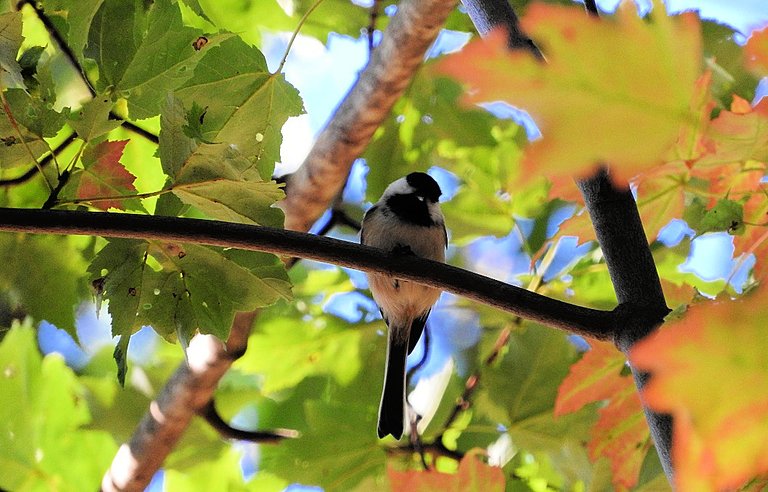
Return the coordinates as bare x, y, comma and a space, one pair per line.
516, 300
465, 400
67, 51
133, 127
59, 39
34, 170
371, 29
32, 156
393, 63
209, 413
296, 33
435, 449
485, 15
591, 8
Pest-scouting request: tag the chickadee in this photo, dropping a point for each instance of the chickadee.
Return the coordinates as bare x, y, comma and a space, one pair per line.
406, 220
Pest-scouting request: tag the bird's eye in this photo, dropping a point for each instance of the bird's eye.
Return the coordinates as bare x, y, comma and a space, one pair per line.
420, 198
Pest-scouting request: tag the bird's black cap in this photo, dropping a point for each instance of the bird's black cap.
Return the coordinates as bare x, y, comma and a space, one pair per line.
424, 185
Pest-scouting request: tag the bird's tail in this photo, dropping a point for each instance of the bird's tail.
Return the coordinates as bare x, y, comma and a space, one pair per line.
392, 408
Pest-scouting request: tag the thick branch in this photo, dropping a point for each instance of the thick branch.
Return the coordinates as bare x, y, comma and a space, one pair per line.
633, 273
515, 300
186, 393
489, 14
324, 172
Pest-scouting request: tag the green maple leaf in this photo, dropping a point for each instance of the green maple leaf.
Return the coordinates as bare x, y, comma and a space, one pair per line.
43, 441
217, 178
246, 105
180, 290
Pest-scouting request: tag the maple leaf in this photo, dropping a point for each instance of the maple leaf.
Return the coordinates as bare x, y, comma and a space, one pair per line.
739, 135
710, 371
590, 107
661, 196
620, 434
473, 475
103, 175
756, 52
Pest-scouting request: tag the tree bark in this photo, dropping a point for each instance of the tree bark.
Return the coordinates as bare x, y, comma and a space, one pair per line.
619, 232
393, 63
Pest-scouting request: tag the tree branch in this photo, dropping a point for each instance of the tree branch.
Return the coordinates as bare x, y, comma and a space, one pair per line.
516, 300
274, 436
394, 61
35, 169
186, 393
619, 232
489, 14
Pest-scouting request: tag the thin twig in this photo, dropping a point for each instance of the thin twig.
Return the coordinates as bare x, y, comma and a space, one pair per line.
12, 121
371, 29
296, 33
59, 39
67, 51
274, 436
34, 170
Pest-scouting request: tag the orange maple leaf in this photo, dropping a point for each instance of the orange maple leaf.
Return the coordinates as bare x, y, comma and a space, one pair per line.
620, 434
614, 90
756, 52
737, 136
104, 176
710, 371
473, 475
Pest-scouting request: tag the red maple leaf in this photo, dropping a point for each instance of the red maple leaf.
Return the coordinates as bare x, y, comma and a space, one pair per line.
473, 475
103, 176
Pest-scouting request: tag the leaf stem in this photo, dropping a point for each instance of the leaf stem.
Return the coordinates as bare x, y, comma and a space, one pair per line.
77, 201
12, 121
296, 33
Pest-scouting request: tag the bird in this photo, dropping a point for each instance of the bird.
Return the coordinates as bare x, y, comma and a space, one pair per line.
406, 220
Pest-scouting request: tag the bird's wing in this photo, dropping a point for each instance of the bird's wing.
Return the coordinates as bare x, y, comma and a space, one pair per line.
417, 326
362, 226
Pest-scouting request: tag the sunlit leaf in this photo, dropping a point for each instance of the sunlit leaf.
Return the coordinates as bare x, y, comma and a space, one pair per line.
10, 42
472, 475
288, 351
581, 87
756, 52
92, 120
246, 104
43, 440
709, 370
215, 177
